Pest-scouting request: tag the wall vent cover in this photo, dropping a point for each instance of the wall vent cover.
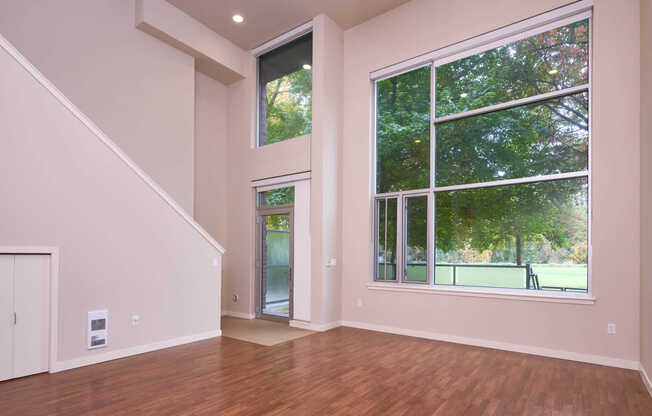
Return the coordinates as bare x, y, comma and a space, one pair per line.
98, 324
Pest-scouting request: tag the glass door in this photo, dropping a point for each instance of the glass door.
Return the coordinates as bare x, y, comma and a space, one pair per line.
275, 271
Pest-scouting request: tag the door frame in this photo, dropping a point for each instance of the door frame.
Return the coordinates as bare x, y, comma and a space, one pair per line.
259, 276
53, 252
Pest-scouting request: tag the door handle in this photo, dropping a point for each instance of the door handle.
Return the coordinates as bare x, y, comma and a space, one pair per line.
15, 318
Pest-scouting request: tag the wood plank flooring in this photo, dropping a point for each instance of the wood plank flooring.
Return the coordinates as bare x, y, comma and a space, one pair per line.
344, 371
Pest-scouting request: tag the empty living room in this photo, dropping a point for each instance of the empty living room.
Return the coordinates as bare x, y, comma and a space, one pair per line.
325, 207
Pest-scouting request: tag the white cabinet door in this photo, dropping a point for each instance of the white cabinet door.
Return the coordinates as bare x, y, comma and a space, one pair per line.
32, 307
6, 316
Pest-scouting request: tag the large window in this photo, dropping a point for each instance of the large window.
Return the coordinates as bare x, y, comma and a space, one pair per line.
285, 91
482, 165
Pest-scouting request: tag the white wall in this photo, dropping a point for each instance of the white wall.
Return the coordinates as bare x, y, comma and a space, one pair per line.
327, 176
646, 185
211, 160
421, 26
139, 90
302, 265
122, 247
215, 56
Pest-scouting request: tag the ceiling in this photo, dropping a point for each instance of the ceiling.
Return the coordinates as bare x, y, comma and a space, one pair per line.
267, 19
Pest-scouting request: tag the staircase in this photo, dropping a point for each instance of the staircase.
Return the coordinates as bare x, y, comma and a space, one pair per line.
125, 245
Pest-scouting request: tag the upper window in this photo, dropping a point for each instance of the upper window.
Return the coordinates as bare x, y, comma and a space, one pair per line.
403, 132
550, 61
500, 198
285, 91
276, 197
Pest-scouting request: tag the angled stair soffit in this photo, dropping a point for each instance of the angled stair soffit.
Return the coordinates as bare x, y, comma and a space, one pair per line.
90, 125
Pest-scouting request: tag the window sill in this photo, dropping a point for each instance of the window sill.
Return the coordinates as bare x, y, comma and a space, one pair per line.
305, 137
497, 293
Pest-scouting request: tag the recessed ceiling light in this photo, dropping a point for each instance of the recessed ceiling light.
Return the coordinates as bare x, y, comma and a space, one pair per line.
464, 95
307, 66
553, 71
237, 18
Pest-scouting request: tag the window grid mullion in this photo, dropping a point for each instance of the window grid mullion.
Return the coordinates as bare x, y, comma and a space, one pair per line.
431, 263
515, 181
385, 243
398, 273
533, 99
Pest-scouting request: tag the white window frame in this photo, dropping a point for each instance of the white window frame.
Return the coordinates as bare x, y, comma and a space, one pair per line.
542, 23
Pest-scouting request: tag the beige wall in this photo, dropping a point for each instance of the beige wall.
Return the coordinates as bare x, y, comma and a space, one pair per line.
216, 56
646, 185
137, 89
425, 25
212, 160
328, 54
122, 247
211, 193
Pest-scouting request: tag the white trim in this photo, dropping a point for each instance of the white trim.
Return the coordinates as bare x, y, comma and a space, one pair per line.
127, 352
241, 315
482, 292
515, 103
515, 181
93, 128
287, 37
589, 283
525, 349
498, 182
53, 252
646, 379
314, 327
575, 9
273, 187
270, 183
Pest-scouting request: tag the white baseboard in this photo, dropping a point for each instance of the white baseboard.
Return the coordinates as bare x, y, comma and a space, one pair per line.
646, 379
527, 349
240, 315
314, 327
127, 352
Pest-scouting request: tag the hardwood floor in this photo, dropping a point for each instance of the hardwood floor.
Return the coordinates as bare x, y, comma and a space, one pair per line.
344, 371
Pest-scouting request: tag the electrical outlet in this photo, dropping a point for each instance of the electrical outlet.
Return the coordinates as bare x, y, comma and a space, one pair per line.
358, 302
235, 298
611, 329
135, 320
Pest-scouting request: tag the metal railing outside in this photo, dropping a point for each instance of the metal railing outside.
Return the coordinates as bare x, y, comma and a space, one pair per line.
531, 278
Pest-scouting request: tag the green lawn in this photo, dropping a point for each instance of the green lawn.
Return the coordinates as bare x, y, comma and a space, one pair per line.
560, 275
566, 275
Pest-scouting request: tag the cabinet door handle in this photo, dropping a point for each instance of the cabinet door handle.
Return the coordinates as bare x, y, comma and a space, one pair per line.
15, 318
